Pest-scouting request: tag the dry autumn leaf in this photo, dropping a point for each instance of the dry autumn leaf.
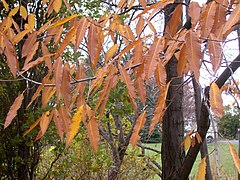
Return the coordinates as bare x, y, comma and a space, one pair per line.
13, 110
137, 127
74, 126
202, 169
216, 101
235, 157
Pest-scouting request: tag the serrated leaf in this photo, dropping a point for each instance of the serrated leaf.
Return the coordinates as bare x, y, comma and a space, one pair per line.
58, 70
193, 53
93, 133
81, 30
39, 89
23, 12
58, 123
207, 19
215, 52
33, 63
57, 4
66, 87
152, 57
44, 122
13, 110
160, 75
141, 89
13, 11
32, 52
174, 23
92, 44
194, 12
130, 87
235, 157
160, 107
232, 20
216, 101
75, 124
140, 25
10, 52
29, 42
66, 41
182, 60
202, 169
137, 127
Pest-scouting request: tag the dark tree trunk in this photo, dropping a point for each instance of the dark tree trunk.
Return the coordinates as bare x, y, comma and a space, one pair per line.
203, 148
173, 125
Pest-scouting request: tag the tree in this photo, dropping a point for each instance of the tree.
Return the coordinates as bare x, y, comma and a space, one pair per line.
229, 123
110, 51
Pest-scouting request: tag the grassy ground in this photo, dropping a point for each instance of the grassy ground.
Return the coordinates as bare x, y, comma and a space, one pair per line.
227, 169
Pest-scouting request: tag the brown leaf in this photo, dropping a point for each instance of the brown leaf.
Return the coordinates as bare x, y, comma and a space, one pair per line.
93, 132
182, 60
63, 21
66, 41
45, 52
58, 123
57, 4
10, 52
141, 89
81, 30
28, 44
44, 122
66, 87
130, 86
199, 139
194, 11
32, 52
187, 142
139, 26
174, 23
39, 89
220, 20
93, 43
33, 63
160, 107
207, 19
58, 71
193, 53
153, 57
160, 75
13, 110
232, 20
216, 101
137, 127
215, 52
47, 93
235, 157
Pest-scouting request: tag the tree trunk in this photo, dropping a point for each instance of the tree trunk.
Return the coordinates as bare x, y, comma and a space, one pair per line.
173, 125
203, 148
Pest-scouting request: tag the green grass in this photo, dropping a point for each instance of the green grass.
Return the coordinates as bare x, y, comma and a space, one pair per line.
227, 168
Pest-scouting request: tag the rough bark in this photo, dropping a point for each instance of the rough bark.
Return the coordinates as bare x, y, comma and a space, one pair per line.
173, 125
